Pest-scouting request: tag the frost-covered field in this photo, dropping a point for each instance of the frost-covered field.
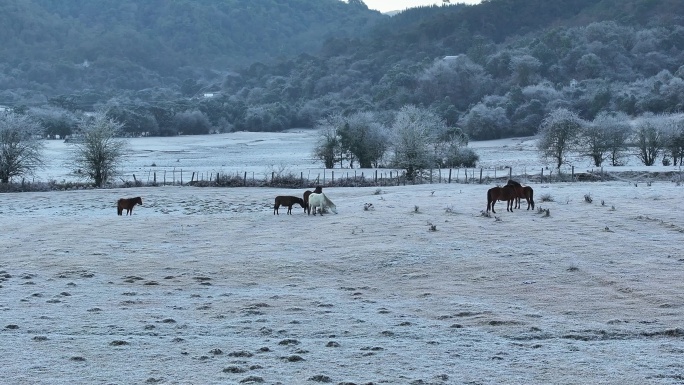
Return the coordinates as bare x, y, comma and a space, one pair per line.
261, 154
207, 286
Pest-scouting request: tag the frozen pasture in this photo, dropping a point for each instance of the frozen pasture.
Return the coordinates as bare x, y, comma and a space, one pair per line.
259, 155
207, 286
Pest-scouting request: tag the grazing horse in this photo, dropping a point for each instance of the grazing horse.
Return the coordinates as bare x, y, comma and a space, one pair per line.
505, 193
522, 192
289, 201
317, 190
322, 201
127, 204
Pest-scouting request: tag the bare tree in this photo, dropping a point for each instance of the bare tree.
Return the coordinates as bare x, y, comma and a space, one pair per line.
558, 135
20, 146
98, 150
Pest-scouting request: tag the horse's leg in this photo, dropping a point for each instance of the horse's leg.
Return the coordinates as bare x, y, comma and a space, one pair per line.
275, 209
289, 210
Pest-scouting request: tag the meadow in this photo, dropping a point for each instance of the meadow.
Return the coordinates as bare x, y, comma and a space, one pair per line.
405, 285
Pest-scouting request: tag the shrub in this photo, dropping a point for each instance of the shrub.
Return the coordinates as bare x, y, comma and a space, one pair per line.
546, 198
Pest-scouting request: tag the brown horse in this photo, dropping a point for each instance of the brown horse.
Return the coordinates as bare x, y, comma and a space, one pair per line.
522, 192
127, 204
505, 193
289, 201
317, 190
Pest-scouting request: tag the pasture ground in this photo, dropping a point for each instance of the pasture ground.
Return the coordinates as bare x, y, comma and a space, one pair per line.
207, 286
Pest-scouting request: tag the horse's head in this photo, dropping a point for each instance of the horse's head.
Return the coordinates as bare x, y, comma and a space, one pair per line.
319, 190
138, 200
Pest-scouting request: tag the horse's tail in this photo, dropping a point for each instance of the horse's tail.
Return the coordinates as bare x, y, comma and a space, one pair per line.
531, 198
489, 199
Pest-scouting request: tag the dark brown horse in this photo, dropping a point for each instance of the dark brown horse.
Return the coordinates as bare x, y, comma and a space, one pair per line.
317, 190
289, 201
522, 192
505, 193
127, 204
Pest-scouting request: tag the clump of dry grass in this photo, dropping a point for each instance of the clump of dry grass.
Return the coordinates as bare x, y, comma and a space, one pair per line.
544, 212
588, 198
546, 198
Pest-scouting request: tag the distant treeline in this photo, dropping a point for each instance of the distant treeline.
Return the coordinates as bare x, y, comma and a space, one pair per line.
493, 70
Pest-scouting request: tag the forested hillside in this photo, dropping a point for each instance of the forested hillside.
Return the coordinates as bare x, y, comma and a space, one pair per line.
62, 46
493, 70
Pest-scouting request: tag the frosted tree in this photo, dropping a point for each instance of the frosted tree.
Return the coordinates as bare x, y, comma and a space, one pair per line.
328, 148
648, 138
20, 146
414, 133
558, 135
363, 138
674, 139
483, 122
97, 148
606, 137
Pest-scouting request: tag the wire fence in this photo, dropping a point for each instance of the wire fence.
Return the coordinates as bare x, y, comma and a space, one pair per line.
351, 178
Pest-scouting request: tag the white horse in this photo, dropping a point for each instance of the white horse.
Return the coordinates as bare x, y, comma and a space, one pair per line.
322, 201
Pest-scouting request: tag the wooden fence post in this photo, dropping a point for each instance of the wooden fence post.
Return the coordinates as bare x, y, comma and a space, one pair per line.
244, 179
480, 175
449, 175
573, 174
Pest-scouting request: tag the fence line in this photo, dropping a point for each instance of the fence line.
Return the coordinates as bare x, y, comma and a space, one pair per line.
368, 177
354, 178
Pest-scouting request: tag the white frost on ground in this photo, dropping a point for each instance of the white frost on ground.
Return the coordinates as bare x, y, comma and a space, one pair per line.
207, 286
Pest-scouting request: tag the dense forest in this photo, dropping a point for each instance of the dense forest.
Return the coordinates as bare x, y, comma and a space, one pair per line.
168, 67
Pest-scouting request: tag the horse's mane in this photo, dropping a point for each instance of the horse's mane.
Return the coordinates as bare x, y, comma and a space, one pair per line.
327, 200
